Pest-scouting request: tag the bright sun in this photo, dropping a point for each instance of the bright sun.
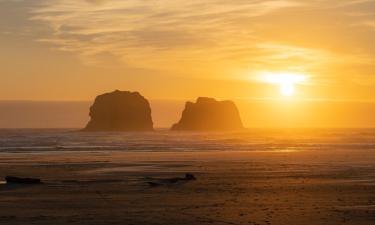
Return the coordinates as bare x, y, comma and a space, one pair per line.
286, 81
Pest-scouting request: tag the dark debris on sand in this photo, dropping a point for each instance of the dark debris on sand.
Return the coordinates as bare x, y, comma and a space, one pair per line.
19, 180
174, 180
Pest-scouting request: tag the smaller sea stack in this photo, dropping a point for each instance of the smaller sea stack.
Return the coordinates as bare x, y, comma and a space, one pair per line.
207, 114
120, 111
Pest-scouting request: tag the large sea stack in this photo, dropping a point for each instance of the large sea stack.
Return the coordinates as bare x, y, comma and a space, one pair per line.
120, 111
207, 114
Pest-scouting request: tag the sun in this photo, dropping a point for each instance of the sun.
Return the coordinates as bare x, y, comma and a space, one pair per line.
287, 89
285, 81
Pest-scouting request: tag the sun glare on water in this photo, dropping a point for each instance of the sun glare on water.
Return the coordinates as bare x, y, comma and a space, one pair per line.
286, 81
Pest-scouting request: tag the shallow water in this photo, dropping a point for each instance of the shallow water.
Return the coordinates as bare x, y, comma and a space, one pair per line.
40, 140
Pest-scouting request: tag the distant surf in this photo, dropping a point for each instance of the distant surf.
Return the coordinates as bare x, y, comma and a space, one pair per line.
40, 140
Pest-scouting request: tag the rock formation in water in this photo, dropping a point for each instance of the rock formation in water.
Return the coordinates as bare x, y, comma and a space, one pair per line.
207, 114
120, 111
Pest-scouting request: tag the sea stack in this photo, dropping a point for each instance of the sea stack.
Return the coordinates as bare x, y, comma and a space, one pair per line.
120, 111
207, 114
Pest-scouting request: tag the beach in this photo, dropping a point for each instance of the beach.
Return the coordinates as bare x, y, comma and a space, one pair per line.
178, 112
314, 187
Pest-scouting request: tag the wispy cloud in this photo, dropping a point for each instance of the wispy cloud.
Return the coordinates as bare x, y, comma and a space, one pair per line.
129, 29
175, 34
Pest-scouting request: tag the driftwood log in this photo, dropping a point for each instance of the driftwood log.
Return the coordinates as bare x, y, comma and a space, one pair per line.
188, 177
19, 180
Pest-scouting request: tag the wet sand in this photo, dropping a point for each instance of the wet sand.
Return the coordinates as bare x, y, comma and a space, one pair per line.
101, 188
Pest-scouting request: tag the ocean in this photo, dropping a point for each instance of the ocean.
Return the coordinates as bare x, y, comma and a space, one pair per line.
41, 140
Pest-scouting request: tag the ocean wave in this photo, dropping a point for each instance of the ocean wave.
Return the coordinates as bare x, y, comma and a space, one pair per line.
34, 140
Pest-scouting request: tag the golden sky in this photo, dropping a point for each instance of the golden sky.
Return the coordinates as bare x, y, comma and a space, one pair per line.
179, 49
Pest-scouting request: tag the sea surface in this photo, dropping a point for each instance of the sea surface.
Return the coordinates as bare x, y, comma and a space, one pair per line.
39, 140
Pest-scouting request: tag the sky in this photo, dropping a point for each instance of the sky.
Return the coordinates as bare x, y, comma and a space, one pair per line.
73, 50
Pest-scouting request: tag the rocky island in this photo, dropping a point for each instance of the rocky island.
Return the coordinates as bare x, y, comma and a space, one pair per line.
208, 114
120, 111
